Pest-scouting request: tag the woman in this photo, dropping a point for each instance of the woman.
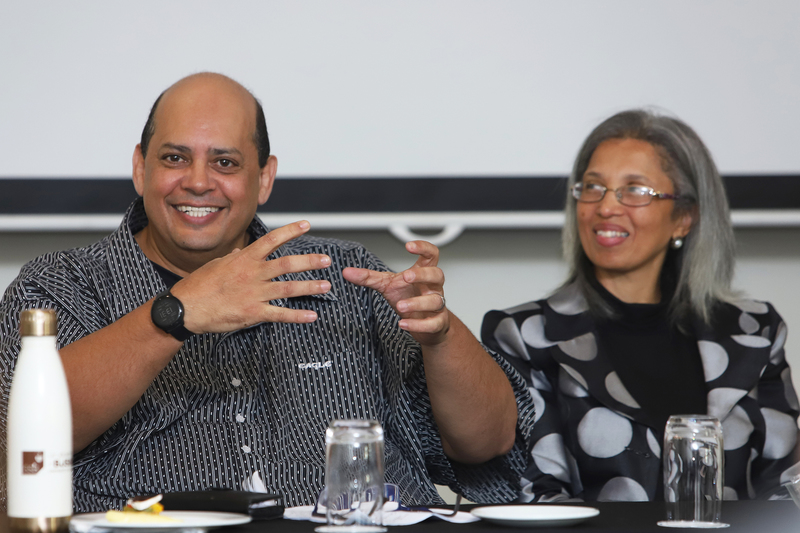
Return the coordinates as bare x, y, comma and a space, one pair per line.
646, 326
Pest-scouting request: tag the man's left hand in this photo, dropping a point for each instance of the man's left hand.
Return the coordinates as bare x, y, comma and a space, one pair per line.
417, 294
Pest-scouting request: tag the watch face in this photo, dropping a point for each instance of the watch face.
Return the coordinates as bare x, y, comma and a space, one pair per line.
167, 312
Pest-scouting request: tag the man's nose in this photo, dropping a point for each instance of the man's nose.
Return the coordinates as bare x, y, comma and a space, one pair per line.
198, 178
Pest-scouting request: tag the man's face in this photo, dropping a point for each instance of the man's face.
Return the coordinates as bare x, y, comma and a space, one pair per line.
200, 180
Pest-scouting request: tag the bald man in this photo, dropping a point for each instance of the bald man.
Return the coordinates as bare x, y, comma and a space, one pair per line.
204, 351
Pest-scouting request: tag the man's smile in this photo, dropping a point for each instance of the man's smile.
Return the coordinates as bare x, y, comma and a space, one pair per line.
196, 211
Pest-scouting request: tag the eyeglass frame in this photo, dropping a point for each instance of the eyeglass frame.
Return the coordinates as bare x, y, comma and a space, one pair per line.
651, 193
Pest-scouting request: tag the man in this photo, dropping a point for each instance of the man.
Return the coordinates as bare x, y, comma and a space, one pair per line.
203, 351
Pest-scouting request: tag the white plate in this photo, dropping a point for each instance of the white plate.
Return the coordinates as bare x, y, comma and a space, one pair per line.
195, 520
535, 515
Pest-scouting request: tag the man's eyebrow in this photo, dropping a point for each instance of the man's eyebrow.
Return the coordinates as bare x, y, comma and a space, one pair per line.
177, 147
225, 151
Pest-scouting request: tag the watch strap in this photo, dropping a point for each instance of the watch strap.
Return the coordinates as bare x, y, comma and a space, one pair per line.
180, 332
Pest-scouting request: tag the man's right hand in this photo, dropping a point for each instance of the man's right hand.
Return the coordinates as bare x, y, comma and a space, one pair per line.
235, 291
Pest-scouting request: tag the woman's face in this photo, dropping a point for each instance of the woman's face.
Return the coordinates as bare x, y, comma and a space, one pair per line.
625, 242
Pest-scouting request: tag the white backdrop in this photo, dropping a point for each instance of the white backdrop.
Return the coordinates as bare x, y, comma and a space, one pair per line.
363, 88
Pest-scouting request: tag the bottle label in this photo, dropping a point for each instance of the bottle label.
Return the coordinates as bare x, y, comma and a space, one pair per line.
61, 462
32, 462
39, 483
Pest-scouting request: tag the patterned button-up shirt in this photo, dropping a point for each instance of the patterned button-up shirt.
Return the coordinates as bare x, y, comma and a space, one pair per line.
238, 409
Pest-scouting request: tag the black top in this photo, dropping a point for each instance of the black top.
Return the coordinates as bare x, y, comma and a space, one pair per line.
658, 364
169, 277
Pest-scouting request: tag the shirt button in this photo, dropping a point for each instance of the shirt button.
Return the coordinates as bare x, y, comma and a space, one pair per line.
246, 448
239, 418
236, 382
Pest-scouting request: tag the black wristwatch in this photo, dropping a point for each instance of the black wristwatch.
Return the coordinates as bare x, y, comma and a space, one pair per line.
167, 313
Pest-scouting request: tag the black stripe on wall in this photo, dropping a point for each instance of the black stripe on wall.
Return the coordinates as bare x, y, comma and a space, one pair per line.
22, 196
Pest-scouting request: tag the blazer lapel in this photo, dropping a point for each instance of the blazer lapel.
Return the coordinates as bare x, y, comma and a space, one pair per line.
574, 336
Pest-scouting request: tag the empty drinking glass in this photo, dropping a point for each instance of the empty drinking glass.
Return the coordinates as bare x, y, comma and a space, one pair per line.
354, 477
693, 471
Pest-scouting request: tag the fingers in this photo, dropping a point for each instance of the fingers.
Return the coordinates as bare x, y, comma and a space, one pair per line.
434, 326
289, 316
427, 252
291, 289
433, 276
237, 290
368, 278
262, 247
429, 303
293, 263
261, 308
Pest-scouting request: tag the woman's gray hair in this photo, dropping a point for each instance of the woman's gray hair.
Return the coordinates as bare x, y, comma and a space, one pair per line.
702, 269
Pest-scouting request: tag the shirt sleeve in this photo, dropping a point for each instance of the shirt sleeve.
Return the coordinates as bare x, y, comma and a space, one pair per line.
549, 473
10, 310
26, 292
779, 406
496, 481
23, 293
53, 281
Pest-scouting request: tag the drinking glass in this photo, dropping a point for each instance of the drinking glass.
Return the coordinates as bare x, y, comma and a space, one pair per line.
793, 485
354, 477
693, 472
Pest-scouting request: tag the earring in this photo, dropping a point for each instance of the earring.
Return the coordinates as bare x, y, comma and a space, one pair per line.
676, 243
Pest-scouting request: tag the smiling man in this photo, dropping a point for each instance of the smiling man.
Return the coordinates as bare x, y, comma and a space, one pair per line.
204, 351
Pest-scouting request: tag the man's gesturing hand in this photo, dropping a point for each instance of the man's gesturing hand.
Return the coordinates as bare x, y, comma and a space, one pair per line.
416, 294
235, 291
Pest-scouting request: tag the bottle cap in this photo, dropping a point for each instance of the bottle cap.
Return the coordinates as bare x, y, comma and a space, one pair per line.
37, 323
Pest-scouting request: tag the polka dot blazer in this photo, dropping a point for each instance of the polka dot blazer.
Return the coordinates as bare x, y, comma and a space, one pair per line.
591, 439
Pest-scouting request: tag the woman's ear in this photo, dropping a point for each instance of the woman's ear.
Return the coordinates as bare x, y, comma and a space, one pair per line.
685, 222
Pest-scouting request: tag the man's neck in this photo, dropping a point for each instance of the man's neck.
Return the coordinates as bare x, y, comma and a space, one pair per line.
180, 262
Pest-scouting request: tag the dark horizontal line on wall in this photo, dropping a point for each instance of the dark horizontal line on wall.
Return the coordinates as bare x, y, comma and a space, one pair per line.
58, 196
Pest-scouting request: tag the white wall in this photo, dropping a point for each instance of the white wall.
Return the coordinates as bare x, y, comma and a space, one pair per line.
365, 88
493, 270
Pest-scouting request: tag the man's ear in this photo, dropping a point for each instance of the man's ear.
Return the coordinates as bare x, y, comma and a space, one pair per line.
267, 179
138, 170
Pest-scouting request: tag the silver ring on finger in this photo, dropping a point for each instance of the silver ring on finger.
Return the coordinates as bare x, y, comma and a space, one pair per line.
444, 303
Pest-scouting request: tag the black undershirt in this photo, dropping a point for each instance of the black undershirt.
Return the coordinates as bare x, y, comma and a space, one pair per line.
169, 277
659, 365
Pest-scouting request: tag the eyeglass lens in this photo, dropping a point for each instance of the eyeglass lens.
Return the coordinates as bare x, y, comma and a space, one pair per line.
634, 196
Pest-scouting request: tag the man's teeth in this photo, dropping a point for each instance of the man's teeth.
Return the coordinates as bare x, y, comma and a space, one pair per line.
612, 234
197, 211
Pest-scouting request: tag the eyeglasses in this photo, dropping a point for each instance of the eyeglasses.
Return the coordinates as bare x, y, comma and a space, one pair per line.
630, 195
